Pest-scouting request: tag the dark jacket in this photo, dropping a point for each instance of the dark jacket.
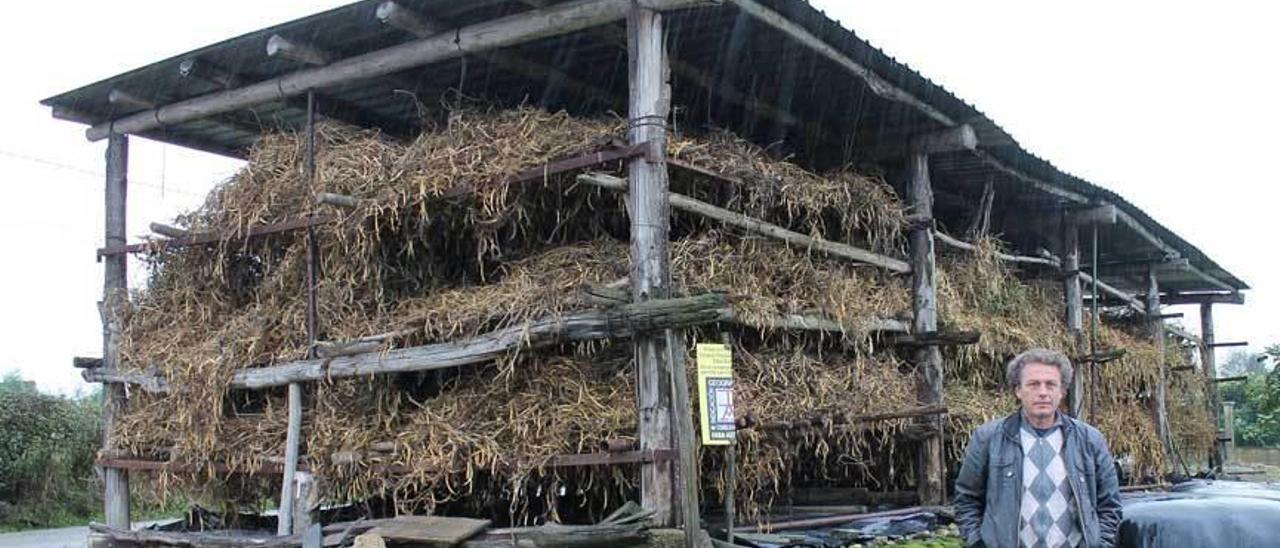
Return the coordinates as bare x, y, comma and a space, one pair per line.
989, 488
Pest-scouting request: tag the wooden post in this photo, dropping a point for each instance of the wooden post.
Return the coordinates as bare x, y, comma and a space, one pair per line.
650, 267
1158, 409
928, 359
1209, 361
304, 501
1229, 429
285, 524
1074, 308
115, 292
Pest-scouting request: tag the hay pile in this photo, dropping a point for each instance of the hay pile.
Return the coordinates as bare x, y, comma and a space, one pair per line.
414, 260
430, 264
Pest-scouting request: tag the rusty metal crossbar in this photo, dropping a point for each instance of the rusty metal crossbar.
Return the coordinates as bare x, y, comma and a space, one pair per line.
603, 458
213, 237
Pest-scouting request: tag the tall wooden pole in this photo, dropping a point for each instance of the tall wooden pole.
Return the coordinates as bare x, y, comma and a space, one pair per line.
115, 292
650, 261
286, 523
1074, 308
1210, 363
1158, 409
928, 359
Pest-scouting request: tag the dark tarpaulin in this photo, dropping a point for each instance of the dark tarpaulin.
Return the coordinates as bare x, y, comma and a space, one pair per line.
1206, 514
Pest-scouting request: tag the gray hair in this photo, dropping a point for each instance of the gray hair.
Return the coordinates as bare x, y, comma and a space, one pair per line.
1043, 356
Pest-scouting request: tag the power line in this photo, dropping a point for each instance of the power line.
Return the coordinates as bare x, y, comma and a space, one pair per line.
97, 174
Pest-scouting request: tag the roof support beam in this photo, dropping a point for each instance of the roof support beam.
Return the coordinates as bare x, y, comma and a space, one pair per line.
284, 48
326, 106
1122, 216
878, 85
1203, 298
506, 31
395, 15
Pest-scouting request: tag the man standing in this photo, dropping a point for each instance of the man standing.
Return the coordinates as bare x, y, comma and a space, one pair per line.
1038, 478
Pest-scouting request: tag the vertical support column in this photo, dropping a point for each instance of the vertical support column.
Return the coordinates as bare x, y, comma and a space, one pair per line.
1074, 308
928, 359
115, 292
1229, 429
650, 261
1158, 409
1209, 362
293, 483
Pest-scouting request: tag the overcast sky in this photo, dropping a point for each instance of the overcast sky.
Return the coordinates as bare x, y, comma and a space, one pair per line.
1172, 105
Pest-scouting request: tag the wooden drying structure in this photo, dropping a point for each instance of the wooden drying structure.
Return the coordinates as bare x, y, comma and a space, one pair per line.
936, 141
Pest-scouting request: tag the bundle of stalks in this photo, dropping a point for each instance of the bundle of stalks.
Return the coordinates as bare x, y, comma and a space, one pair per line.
978, 292
416, 258
1190, 423
799, 381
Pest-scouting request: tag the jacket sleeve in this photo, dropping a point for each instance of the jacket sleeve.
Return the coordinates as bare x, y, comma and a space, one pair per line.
971, 488
1107, 490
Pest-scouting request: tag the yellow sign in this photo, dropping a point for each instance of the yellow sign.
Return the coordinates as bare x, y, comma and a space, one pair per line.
715, 393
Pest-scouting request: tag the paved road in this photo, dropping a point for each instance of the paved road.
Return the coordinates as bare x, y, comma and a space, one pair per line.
66, 537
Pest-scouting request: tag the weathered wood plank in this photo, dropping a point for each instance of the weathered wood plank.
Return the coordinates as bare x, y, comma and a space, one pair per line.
619, 322
648, 107
732, 218
430, 530
489, 35
115, 294
1074, 301
1209, 362
924, 305
1158, 405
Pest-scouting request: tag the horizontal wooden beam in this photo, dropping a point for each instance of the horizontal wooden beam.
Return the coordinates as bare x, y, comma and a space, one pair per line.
1100, 215
617, 322
1181, 333
749, 422
938, 338
298, 52
1228, 344
732, 218
337, 200
1122, 217
169, 231
1203, 298
959, 244
555, 20
952, 139
1231, 379
877, 84
576, 460
574, 163
211, 237
1101, 357
86, 363
1112, 291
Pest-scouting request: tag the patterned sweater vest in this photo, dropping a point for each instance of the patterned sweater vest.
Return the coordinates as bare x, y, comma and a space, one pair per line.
1048, 512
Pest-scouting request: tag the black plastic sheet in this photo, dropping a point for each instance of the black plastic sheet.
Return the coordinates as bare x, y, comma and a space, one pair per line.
1204, 514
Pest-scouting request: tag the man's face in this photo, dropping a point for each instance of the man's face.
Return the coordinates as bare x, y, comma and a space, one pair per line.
1040, 390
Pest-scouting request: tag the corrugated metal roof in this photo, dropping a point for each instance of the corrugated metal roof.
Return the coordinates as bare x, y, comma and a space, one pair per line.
729, 70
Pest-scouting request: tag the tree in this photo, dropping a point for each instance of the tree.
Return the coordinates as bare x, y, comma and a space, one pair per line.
48, 445
1241, 362
1257, 400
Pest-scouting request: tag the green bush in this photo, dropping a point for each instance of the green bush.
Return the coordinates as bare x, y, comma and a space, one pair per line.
1257, 412
48, 445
